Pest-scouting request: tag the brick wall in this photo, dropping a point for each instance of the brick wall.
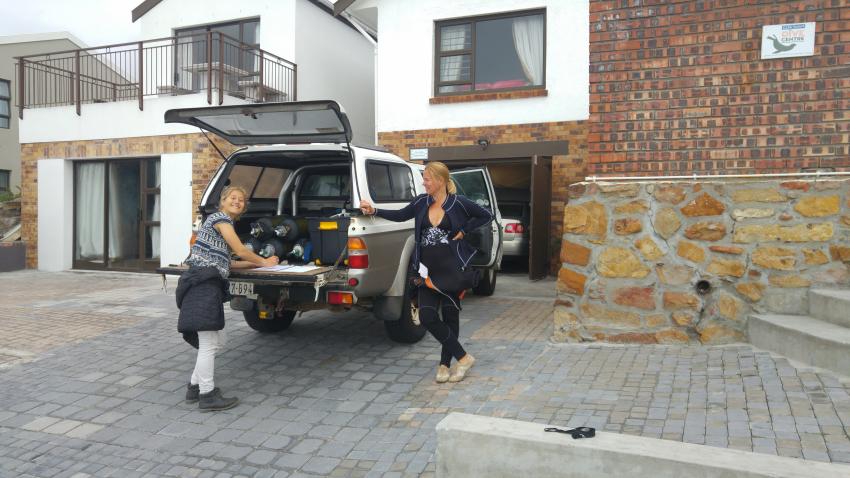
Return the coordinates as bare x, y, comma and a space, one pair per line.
566, 169
204, 163
679, 87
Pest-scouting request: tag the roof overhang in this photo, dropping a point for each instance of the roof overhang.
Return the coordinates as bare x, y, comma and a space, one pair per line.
143, 8
341, 5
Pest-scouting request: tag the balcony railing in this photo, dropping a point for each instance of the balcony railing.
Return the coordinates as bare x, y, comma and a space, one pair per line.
213, 63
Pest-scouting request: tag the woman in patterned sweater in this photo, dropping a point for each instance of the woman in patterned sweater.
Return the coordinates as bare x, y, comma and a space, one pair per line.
202, 290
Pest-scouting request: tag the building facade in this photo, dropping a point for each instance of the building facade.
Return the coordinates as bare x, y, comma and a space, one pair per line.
105, 183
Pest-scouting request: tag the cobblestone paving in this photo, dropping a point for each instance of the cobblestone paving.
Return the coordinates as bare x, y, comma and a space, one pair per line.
333, 397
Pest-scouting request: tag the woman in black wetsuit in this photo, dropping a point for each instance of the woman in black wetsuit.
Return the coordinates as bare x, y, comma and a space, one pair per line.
441, 257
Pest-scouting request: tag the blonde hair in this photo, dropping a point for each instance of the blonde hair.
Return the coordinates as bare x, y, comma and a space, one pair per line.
440, 170
230, 189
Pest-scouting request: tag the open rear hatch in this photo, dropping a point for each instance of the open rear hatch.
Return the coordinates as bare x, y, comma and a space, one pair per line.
270, 123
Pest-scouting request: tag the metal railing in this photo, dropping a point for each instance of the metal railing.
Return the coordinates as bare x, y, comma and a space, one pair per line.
212, 62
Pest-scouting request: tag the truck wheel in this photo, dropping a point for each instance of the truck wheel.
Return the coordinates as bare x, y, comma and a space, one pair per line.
280, 321
487, 285
404, 330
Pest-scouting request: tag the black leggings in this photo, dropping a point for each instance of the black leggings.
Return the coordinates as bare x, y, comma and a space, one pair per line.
446, 331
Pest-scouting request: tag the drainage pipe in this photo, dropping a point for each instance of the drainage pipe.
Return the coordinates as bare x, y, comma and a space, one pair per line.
694, 177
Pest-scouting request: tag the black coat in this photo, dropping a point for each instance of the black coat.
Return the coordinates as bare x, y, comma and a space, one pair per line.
201, 291
463, 215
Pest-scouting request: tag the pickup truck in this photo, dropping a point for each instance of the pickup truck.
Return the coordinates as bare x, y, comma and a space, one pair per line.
304, 181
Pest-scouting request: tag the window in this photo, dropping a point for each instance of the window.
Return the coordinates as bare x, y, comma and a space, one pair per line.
5, 103
496, 52
5, 176
259, 182
245, 31
389, 182
326, 185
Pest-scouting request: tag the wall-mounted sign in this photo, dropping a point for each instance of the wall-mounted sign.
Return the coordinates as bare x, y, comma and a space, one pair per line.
418, 154
784, 41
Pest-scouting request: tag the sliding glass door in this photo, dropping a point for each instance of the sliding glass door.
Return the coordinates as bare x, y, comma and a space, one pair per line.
116, 214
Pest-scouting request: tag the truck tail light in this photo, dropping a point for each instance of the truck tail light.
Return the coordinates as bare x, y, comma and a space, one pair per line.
358, 255
340, 298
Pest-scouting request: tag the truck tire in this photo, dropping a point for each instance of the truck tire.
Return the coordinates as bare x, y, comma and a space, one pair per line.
404, 330
280, 321
487, 284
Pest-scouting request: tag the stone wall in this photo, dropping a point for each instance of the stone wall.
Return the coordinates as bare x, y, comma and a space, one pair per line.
679, 262
205, 160
566, 169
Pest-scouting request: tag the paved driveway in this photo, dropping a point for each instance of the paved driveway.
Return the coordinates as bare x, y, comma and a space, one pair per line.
92, 376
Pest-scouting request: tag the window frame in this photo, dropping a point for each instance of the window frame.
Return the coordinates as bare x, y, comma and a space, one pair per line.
389, 164
472, 20
7, 174
7, 99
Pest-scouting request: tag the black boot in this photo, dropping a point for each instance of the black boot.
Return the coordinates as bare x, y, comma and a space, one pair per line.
214, 401
192, 392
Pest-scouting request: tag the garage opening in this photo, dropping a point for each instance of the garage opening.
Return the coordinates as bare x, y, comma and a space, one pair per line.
522, 178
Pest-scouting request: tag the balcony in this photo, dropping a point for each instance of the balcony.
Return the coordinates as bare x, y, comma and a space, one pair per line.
215, 64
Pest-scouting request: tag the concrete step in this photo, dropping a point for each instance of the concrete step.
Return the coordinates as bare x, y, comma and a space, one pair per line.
809, 340
830, 305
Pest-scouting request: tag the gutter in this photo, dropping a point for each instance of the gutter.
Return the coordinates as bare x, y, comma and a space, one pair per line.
694, 177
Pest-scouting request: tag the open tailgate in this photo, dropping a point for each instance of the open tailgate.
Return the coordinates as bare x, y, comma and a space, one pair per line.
319, 275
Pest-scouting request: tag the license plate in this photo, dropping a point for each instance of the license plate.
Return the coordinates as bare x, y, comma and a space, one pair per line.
241, 288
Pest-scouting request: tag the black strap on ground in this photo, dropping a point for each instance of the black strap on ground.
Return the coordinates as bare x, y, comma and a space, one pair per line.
576, 433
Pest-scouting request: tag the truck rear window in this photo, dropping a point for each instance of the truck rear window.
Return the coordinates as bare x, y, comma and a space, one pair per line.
326, 186
260, 182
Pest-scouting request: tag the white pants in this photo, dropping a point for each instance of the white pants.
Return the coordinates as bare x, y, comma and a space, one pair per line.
209, 342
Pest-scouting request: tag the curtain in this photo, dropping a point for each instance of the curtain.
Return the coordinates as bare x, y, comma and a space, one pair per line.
116, 220
155, 217
453, 38
89, 199
528, 43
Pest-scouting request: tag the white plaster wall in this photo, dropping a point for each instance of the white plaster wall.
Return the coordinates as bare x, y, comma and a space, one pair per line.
176, 213
336, 62
110, 120
277, 20
55, 214
406, 66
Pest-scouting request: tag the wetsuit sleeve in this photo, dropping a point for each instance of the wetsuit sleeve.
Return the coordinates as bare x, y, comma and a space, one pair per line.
403, 214
477, 216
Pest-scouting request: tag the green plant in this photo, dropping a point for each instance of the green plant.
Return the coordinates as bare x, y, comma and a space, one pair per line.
9, 195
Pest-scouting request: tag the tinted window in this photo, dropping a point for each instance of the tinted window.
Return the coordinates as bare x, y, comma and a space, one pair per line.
390, 182
326, 185
257, 181
472, 185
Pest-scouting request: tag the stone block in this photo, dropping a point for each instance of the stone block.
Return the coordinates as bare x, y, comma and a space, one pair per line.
758, 195
621, 190
818, 206
648, 248
750, 290
788, 281
837, 275
639, 297
619, 262
589, 219
704, 205
573, 253
683, 319
752, 213
714, 333
635, 207
773, 232
795, 185
778, 258
814, 257
680, 300
667, 222
723, 249
730, 308
691, 251
669, 194
570, 281
611, 317
672, 336
674, 274
729, 268
656, 320
706, 231
626, 226
839, 253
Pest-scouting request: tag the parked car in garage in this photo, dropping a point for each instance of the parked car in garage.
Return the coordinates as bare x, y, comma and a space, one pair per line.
515, 211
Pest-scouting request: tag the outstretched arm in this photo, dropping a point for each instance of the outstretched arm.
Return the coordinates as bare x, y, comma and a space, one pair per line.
403, 214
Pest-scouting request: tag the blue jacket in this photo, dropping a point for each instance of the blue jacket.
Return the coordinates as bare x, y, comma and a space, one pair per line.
463, 215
